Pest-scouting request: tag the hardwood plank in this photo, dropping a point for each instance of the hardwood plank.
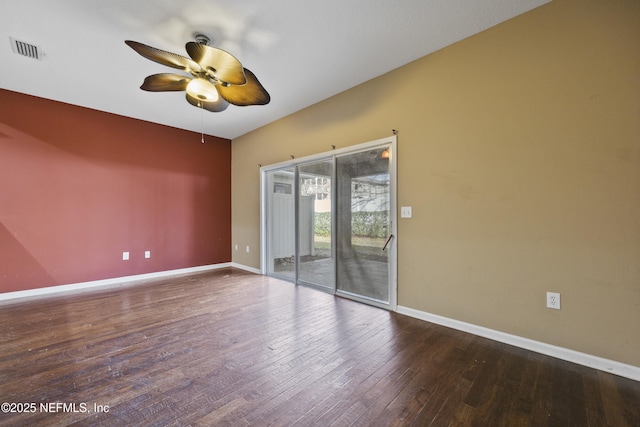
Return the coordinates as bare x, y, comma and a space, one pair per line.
618, 396
595, 409
234, 348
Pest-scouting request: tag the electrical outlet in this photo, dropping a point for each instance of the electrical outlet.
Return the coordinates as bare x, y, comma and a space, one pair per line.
236, 247
147, 254
125, 256
553, 300
247, 248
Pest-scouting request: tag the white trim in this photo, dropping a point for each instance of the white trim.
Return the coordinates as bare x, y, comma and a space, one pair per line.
263, 222
393, 255
246, 268
606, 365
106, 283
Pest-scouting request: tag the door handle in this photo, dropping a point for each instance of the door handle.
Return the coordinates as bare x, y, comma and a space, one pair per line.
387, 242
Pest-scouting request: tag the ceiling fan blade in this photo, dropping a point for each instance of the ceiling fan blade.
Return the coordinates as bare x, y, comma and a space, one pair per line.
163, 57
221, 64
215, 106
251, 93
165, 82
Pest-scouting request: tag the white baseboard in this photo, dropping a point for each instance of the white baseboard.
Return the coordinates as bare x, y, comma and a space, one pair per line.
606, 365
105, 283
246, 268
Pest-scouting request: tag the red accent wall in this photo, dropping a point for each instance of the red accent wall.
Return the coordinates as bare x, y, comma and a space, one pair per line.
78, 187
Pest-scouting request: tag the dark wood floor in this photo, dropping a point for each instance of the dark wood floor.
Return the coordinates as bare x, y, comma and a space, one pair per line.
233, 348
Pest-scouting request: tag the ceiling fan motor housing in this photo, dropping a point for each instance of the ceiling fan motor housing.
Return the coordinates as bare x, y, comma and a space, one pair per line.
202, 39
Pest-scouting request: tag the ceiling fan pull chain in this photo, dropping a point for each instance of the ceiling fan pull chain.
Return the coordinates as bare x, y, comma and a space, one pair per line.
202, 121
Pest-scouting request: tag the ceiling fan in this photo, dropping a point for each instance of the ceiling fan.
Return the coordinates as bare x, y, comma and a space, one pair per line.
217, 77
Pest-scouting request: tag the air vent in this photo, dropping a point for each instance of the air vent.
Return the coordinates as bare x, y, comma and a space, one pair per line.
26, 49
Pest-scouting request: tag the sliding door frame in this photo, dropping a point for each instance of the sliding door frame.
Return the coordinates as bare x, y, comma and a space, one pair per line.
391, 141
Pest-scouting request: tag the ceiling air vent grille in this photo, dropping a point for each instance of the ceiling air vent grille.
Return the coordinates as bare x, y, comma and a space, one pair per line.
26, 49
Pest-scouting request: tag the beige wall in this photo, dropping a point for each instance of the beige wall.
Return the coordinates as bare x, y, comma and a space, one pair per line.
519, 150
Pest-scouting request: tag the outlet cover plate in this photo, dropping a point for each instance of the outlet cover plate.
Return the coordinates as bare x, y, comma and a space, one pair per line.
553, 300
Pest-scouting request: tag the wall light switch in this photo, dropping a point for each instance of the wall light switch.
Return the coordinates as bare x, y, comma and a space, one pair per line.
125, 256
147, 254
406, 212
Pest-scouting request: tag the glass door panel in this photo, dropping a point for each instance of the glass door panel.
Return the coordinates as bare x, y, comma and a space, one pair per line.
363, 224
315, 247
281, 250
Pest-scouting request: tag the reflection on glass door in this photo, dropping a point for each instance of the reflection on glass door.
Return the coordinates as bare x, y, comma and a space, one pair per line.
315, 250
281, 250
363, 203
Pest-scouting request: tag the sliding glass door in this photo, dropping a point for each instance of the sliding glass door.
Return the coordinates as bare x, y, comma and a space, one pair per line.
364, 224
328, 223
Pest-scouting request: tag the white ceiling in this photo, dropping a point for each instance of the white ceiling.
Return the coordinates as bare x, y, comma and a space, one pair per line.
302, 51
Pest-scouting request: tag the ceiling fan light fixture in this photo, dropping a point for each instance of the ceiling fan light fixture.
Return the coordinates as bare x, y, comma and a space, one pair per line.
203, 89
217, 77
